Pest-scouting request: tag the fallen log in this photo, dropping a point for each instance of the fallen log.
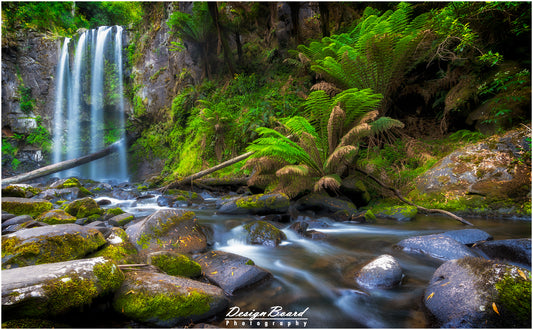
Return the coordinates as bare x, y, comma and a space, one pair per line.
189, 179
64, 165
421, 208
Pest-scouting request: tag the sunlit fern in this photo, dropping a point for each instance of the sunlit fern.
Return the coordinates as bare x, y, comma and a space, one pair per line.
313, 154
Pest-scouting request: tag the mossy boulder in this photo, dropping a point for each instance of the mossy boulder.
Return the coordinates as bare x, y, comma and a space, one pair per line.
71, 183
264, 233
83, 208
121, 219
166, 301
119, 248
256, 204
399, 213
384, 272
48, 244
176, 198
230, 271
337, 209
25, 206
55, 288
474, 292
20, 190
175, 264
438, 246
353, 188
174, 230
56, 217
489, 177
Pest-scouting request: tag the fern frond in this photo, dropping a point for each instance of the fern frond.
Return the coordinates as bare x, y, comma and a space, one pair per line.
371, 116
356, 134
338, 156
327, 87
383, 124
298, 125
328, 182
335, 126
313, 146
294, 170
357, 102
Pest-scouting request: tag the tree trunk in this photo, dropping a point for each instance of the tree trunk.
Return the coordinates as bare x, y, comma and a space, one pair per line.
190, 178
64, 165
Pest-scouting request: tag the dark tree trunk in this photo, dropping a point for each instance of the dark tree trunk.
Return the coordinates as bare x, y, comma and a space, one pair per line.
222, 39
324, 18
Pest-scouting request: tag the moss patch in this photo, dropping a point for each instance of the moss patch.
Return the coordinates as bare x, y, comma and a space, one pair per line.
262, 232
20, 191
54, 217
84, 207
109, 276
25, 206
115, 211
143, 306
30, 324
514, 298
48, 249
120, 252
176, 264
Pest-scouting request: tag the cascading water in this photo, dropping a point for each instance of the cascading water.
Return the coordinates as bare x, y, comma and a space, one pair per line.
89, 113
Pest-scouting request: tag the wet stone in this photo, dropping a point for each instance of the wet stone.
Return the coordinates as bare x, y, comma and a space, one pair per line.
384, 272
437, 246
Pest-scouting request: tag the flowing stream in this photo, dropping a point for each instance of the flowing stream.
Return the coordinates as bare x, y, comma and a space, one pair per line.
319, 273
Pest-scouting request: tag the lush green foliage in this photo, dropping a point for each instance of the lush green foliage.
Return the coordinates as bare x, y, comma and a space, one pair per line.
65, 18
311, 159
207, 125
376, 54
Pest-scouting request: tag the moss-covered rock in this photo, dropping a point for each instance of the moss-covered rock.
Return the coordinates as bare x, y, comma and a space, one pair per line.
71, 183
119, 248
256, 204
262, 232
121, 219
25, 206
175, 264
400, 213
474, 292
52, 289
353, 188
109, 213
49, 244
31, 324
83, 208
56, 217
166, 301
20, 190
175, 230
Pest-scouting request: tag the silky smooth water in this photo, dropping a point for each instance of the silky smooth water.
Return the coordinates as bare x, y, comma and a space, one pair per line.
319, 274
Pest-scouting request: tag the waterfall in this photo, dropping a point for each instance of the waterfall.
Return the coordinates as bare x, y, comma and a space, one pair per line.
89, 109
62, 72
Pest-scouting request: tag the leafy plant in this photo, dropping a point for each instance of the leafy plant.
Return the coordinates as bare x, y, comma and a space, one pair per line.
376, 54
9, 153
305, 158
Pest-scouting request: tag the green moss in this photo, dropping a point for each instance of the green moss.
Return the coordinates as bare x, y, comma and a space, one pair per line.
399, 212
165, 225
514, 298
121, 253
143, 306
115, 211
176, 264
29, 324
250, 262
54, 217
82, 208
51, 249
262, 231
369, 216
109, 276
23, 206
68, 291
250, 202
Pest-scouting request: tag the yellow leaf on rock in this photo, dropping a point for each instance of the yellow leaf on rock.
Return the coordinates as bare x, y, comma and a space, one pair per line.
495, 308
430, 296
521, 273
213, 273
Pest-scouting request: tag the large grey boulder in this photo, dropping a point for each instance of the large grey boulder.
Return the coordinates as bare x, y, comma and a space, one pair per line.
256, 204
55, 288
478, 293
510, 250
166, 301
230, 271
437, 246
383, 272
175, 230
469, 236
49, 244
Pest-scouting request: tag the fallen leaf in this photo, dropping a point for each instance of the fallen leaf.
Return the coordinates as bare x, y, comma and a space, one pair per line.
213, 273
430, 296
521, 273
495, 308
